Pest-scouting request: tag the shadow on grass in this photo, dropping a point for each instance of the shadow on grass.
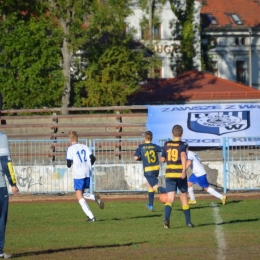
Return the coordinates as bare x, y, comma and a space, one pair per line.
219, 204
239, 221
134, 217
57, 250
229, 222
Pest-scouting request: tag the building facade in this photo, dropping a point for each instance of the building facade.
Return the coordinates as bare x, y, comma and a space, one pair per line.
227, 38
231, 39
165, 35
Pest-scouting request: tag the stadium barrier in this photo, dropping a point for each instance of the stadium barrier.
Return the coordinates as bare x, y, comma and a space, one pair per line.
241, 165
40, 165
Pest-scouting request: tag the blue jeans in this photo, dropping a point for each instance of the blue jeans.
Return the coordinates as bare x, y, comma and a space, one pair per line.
4, 200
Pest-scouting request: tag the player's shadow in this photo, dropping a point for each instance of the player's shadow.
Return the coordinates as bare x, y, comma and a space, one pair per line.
218, 204
229, 222
193, 207
58, 250
233, 201
135, 217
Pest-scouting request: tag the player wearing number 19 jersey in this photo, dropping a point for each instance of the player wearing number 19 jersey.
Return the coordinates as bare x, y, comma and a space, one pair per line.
81, 159
174, 154
148, 154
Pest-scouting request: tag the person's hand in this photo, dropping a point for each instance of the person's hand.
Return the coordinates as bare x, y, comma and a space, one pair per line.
183, 174
15, 190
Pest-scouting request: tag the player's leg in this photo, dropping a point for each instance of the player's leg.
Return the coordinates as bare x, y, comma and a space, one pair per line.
171, 189
152, 181
159, 189
3, 216
203, 182
96, 197
192, 180
182, 185
79, 185
149, 205
88, 196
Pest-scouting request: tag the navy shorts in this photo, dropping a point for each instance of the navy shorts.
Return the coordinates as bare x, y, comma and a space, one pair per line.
81, 184
152, 179
173, 183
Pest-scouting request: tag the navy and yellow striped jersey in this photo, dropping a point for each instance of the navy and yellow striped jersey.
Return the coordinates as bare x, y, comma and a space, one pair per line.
172, 154
148, 152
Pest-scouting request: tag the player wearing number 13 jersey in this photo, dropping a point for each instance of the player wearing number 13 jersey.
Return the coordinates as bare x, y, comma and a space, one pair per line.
174, 154
148, 154
81, 159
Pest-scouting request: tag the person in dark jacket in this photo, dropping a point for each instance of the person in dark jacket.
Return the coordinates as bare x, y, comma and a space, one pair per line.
6, 169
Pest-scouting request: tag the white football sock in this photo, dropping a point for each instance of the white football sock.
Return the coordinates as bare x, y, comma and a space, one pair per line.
191, 193
86, 209
214, 193
88, 196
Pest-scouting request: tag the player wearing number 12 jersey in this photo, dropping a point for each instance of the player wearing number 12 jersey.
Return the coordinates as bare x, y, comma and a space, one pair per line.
174, 154
81, 158
148, 154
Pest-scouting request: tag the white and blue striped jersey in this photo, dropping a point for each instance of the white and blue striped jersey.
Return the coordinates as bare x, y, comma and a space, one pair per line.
196, 165
79, 154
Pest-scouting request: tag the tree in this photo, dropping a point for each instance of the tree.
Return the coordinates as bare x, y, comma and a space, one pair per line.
115, 63
152, 9
38, 40
71, 16
184, 11
30, 75
38, 43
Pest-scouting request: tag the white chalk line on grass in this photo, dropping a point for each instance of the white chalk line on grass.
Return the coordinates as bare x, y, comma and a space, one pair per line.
219, 233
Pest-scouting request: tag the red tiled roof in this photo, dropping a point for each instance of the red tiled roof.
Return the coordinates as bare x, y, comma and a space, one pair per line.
247, 10
192, 86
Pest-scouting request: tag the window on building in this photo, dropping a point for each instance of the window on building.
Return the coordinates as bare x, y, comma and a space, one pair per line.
212, 20
236, 19
240, 41
156, 32
241, 71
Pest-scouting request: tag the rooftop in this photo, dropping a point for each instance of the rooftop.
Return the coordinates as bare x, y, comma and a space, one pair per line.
231, 14
193, 86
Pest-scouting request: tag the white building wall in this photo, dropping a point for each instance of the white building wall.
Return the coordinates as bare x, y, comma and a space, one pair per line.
164, 48
226, 52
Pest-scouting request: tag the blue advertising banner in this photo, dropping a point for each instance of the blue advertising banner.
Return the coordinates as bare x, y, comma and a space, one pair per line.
204, 124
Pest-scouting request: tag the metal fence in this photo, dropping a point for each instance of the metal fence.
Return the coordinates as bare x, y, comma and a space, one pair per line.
116, 170
241, 165
40, 166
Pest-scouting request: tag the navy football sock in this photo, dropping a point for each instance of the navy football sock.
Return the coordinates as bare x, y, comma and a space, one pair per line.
150, 197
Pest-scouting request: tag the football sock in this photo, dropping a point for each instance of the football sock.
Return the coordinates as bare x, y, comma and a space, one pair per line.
191, 193
186, 212
88, 196
161, 190
150, 197
167, 211
214, 193
86, 209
